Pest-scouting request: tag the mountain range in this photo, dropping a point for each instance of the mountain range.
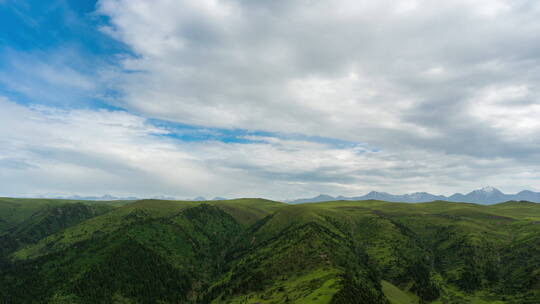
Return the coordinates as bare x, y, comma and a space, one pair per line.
109, 197
486, 195
249, 251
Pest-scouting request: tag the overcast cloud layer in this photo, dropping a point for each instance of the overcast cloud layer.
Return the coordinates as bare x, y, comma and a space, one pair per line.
430, 96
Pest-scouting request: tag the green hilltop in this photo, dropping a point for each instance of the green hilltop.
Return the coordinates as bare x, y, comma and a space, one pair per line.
261, 251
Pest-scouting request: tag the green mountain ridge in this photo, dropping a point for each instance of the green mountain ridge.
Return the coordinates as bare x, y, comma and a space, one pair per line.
47, 221
260, 251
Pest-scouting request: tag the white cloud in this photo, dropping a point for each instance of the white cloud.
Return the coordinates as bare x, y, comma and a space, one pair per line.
447, 91
51, 151
395, 74
87, 151
512, 110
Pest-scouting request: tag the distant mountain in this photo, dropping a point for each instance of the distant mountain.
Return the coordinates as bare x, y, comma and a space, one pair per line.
530, 196
106, 197
219, 198
407, 198
162, 197
374, 195
316, 199
486, 195
109, 197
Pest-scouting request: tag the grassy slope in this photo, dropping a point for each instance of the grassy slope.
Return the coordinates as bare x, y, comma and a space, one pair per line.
245, 211
438, 250
188, 238
259, 251
396, 295
475, 248
14, 211
26, 221
47, 221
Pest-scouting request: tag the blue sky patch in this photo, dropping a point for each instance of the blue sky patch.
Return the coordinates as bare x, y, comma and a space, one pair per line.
191, 133
51, 52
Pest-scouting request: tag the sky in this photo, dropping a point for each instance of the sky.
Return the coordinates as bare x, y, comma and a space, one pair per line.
276, 99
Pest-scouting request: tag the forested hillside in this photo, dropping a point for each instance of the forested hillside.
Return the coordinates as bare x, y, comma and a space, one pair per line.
260, 251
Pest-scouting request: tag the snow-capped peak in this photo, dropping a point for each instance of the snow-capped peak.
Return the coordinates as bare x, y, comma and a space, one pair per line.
488, 189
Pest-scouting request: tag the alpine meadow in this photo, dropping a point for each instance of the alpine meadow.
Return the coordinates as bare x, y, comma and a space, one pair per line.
269, 152
261, 251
